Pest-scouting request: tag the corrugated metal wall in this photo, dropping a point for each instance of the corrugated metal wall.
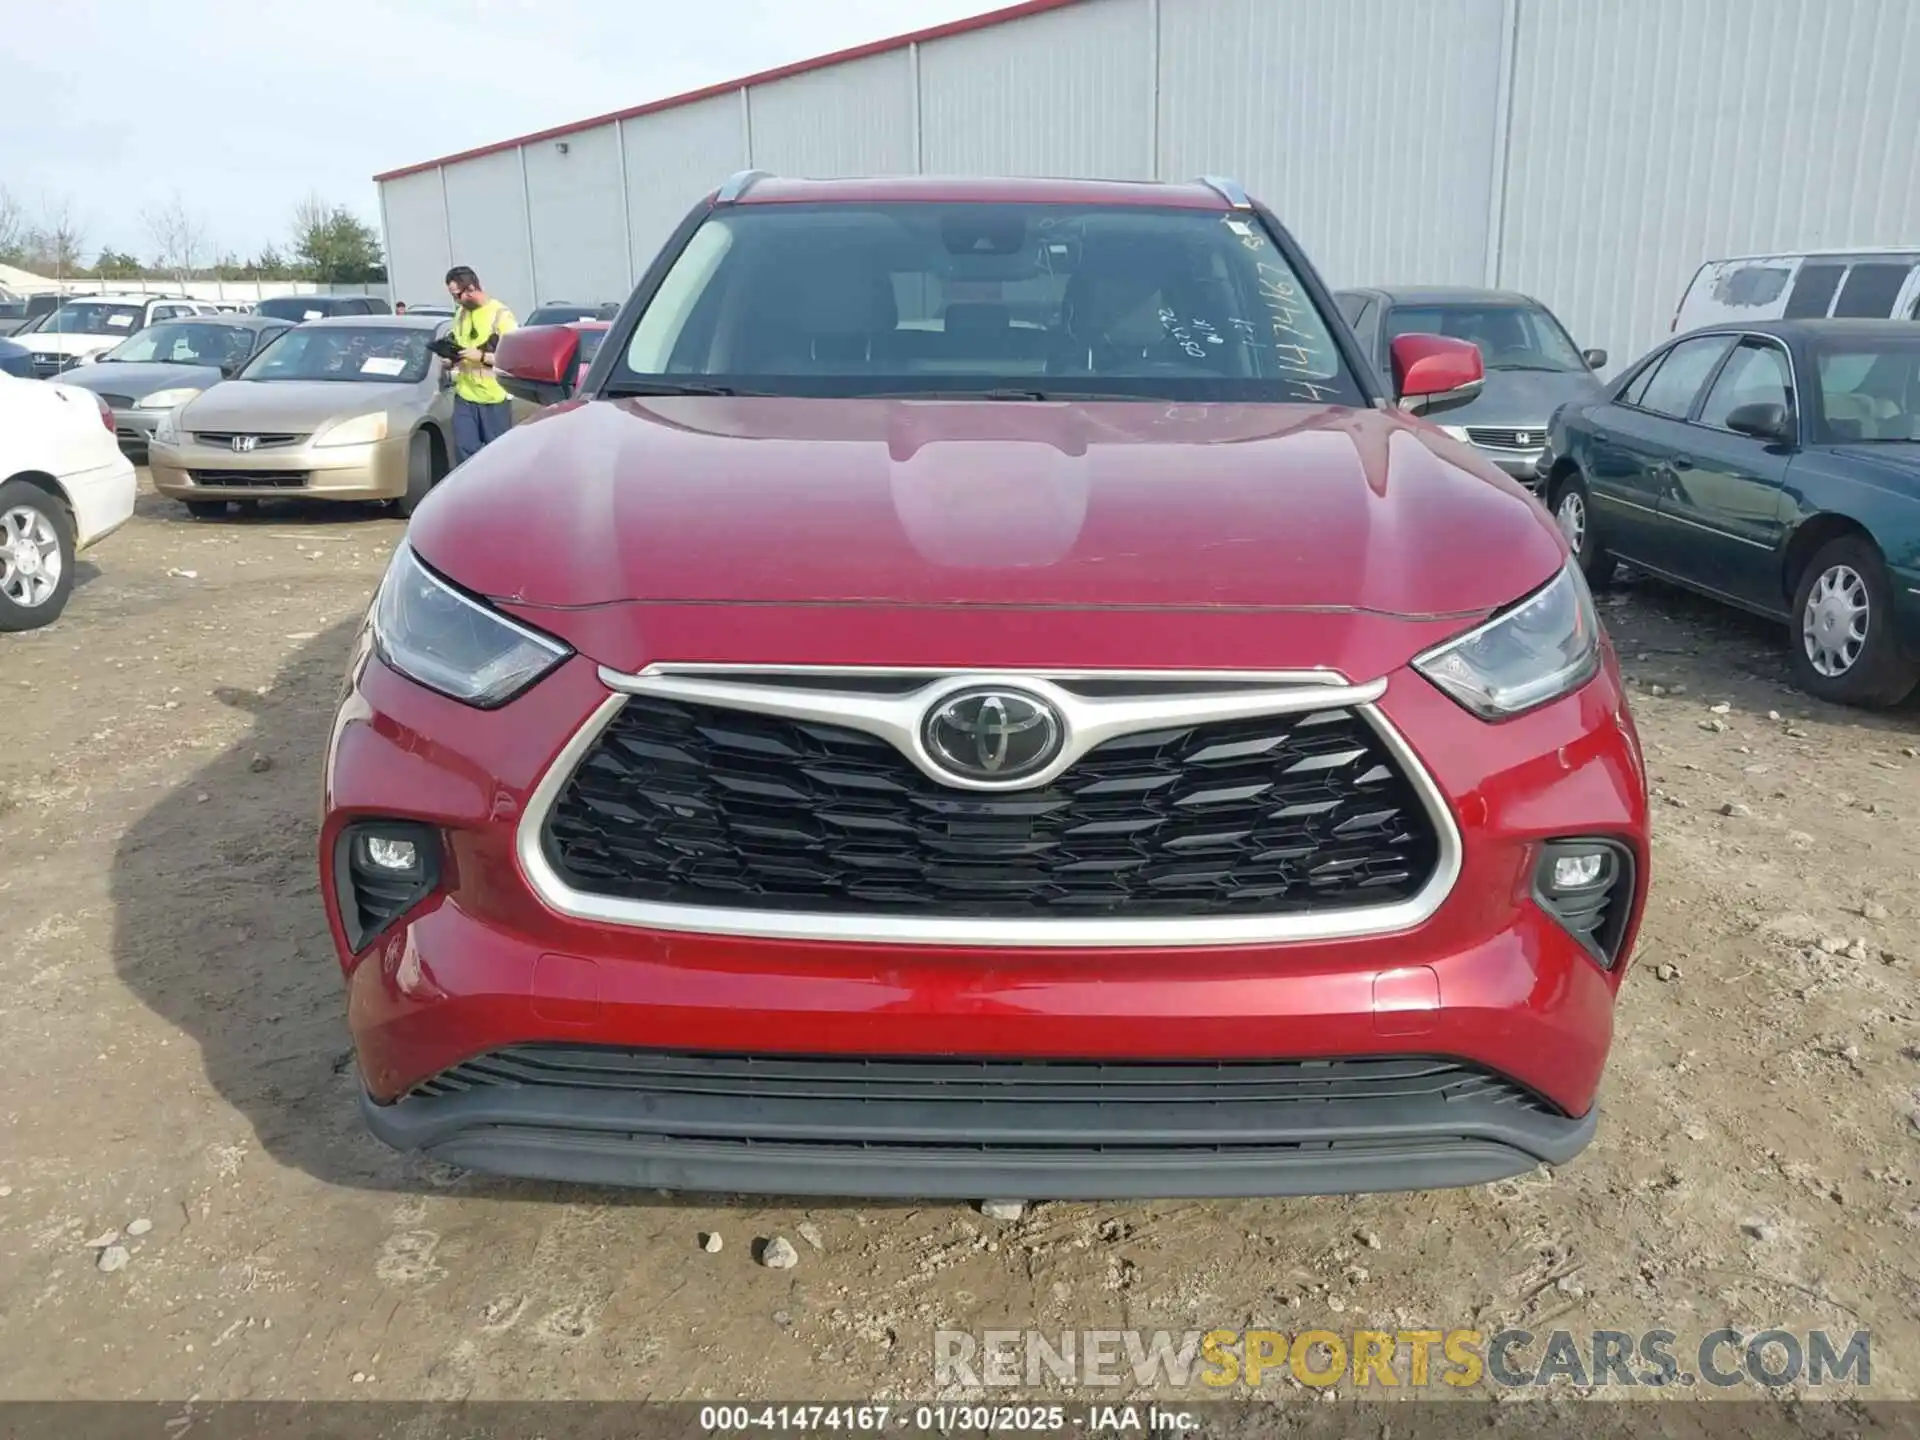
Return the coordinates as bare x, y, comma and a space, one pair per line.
1368, 125
1649, 136
1592, 152
573, 195
1067, 92
487, 220
855, 119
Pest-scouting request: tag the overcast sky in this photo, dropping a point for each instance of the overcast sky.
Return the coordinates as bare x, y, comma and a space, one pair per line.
244, 106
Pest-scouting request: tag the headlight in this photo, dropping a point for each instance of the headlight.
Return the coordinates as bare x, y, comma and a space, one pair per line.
433, 634
361, 430
167, 430
166, 399
1546, 646
1458, 432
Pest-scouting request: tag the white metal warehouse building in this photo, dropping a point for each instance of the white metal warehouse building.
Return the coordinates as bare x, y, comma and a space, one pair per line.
1589, 152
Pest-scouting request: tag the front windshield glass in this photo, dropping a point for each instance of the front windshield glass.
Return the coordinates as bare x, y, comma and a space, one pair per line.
1869, 391
1007, 301
1510, 337
379, 354
185, 342
92, 317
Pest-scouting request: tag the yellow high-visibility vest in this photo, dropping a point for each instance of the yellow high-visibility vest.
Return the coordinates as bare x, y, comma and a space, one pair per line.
471, 330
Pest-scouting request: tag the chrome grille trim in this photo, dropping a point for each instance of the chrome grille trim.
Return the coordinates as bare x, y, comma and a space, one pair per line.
896, 718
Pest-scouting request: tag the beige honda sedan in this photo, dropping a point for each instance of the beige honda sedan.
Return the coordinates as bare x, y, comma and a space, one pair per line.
354, 407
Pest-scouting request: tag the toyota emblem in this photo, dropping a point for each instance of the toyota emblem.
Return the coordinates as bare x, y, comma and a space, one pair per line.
993, 735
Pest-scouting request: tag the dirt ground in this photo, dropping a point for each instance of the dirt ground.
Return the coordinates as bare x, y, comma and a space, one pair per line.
174, 1053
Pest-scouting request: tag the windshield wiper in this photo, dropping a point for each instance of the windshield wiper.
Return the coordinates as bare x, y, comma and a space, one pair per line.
1545, 369
659, 387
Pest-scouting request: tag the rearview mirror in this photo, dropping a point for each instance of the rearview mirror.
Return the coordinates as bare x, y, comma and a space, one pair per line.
536, 364
1435, 372
1762, 421
1594, 358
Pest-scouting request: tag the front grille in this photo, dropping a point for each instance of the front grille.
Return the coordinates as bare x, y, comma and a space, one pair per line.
261, 479
1498, 438
774, 1079
690, 804
45, 365
225, 439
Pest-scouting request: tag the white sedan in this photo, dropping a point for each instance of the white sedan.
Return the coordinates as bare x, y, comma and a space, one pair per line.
64, 486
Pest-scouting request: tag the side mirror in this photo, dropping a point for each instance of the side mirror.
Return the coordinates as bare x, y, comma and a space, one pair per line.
536, 364
1762, 422
1594, 358
1435, 372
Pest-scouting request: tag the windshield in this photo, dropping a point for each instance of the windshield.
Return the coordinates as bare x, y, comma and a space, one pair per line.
1869, 390
293, 307
1510, 337
1003, 301
379, 354
178, 342
92, 317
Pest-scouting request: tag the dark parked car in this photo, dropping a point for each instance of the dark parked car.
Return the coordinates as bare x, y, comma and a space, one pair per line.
16, 314
1533, 366
565, 312
163, 367
1775, 466
319, 307
881, 738
16, 360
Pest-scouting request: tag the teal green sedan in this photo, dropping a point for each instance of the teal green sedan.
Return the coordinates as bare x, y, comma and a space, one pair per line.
1774, 466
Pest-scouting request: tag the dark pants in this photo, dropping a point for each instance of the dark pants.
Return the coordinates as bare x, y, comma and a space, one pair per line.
475, 424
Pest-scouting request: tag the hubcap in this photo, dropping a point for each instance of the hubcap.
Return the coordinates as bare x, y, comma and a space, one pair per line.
1572, 518
29, 557
1834, 627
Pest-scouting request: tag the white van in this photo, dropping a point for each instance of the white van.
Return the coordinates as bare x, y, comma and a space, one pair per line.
1867, 284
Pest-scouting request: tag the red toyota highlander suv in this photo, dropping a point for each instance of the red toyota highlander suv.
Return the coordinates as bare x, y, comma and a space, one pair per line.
981, 692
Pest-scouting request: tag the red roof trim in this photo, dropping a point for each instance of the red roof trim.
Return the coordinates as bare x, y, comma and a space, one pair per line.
764, 77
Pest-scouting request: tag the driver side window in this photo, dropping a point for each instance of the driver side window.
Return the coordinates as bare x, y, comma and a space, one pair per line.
1755, 374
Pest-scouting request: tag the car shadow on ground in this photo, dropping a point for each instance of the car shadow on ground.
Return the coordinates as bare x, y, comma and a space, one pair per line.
219, 930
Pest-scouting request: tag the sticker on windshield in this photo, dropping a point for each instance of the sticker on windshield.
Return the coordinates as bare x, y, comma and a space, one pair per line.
314, 315
382, 365
120, 321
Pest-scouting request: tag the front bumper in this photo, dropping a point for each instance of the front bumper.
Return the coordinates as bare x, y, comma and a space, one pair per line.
193, 471
134, 430
939, 1128
1522, 465
482, 970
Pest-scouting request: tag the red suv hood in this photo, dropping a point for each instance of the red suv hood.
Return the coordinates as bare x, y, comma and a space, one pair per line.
771, 501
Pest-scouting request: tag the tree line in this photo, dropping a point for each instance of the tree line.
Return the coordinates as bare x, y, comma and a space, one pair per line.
326, 243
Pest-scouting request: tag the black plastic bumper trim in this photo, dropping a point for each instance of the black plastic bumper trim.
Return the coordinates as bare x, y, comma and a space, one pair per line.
932, 1150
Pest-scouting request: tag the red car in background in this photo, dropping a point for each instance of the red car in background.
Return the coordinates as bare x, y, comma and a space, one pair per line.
980, 693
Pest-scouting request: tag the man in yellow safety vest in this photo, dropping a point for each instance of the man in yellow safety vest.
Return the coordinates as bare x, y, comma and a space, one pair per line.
482, 411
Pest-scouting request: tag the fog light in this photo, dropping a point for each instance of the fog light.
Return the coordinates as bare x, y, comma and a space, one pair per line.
386, 853
1570, 872
1587, 886
382, 870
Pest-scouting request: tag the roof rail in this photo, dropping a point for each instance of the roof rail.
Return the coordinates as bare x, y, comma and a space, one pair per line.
1230, 191
738, 184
